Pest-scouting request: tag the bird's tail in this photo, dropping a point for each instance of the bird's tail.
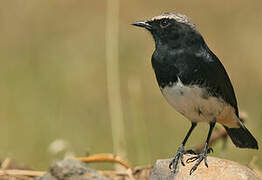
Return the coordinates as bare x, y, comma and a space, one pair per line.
241, 137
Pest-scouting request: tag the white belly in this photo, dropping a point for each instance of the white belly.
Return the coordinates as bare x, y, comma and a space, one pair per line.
193, 102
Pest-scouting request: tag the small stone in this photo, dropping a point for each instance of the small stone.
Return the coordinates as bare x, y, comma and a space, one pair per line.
71, 170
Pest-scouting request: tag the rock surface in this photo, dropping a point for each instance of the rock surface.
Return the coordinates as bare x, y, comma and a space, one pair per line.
218, 169
71, 170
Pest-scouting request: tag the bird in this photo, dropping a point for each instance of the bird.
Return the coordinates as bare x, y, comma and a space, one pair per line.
194, 82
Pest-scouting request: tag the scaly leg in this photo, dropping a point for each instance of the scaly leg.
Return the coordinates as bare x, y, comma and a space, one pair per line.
180, 152
203, 155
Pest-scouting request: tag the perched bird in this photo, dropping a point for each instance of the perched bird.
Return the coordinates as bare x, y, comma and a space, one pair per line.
194, 82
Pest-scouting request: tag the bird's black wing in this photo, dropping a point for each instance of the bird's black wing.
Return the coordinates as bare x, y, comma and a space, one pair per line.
204, 68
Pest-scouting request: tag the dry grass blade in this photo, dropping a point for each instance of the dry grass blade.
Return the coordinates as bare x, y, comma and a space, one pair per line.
113, 78
105, 158
15, 172
5, 164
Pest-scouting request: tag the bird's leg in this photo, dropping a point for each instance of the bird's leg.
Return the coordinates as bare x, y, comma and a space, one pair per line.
180, 152
203, 155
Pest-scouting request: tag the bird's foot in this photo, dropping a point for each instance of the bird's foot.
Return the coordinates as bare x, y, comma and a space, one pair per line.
200, 157
179, 157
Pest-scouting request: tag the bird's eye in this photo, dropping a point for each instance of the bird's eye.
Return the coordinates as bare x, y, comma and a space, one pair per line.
164, 23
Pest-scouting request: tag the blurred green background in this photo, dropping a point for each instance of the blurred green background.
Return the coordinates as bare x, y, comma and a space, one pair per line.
53, 77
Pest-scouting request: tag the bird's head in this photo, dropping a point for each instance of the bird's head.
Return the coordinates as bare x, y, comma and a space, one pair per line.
171, 29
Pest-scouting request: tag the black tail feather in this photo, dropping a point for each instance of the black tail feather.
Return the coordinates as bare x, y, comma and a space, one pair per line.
241, 137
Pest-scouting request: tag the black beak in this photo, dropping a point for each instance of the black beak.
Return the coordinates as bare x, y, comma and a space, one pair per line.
143, 24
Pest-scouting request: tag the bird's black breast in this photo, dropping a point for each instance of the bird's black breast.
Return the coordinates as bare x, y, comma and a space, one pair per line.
171, 64
165, 70
194, 67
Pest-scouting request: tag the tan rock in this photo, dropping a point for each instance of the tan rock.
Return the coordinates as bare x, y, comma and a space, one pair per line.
217, 169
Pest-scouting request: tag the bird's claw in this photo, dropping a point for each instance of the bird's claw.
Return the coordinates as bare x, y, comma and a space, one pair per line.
200, 157
179, 157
